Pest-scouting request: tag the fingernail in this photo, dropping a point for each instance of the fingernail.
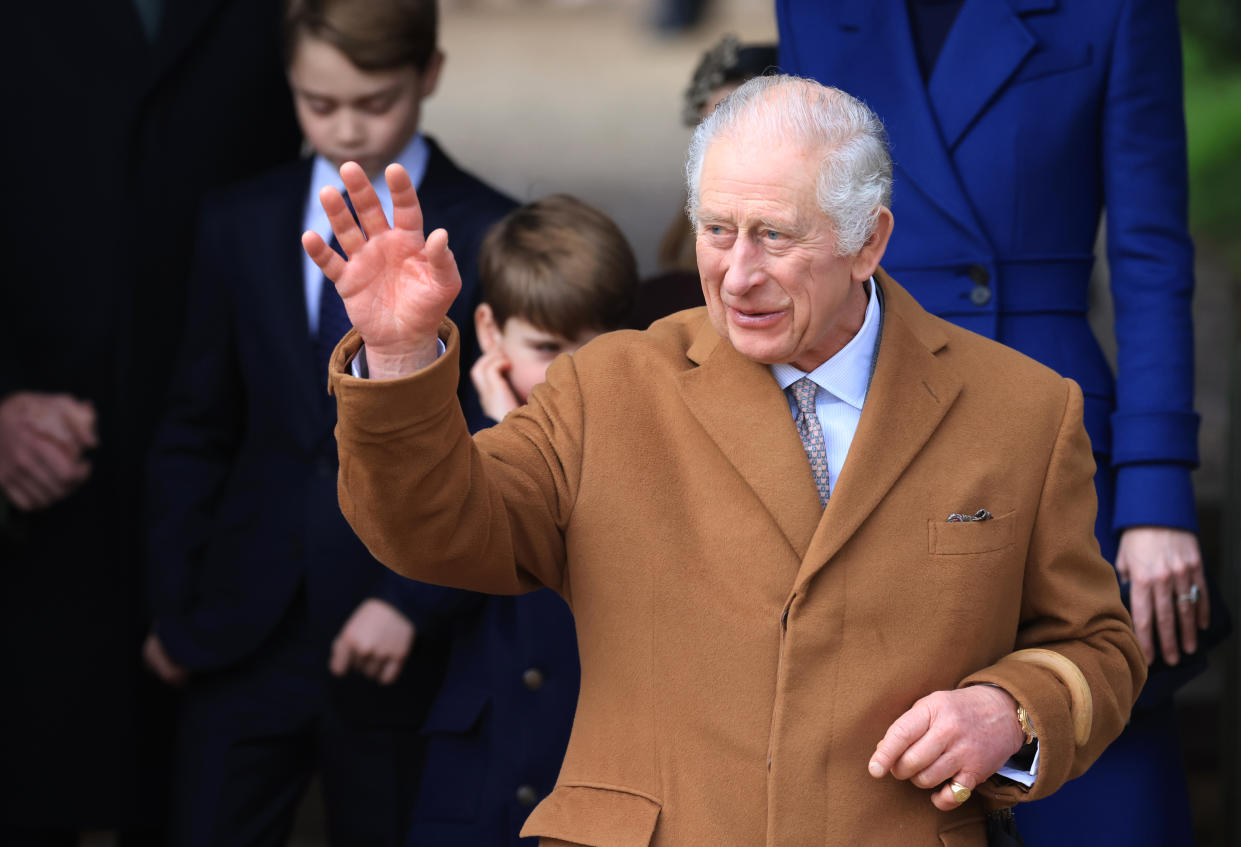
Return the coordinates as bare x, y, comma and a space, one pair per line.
876, 769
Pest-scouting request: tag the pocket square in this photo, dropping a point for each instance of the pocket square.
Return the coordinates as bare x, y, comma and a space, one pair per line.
980, 515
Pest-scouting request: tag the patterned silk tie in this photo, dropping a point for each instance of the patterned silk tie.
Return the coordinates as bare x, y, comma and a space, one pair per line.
811, 432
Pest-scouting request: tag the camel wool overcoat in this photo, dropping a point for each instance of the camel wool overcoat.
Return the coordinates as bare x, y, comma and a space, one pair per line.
743, 649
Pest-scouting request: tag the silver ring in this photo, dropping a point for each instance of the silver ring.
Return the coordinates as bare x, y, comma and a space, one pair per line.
1190, 596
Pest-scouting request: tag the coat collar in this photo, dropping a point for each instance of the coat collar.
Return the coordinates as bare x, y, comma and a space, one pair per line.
909, 396
987, 43
183, 23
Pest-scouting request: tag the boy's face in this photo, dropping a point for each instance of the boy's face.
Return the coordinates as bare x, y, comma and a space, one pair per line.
528, 349
349, 114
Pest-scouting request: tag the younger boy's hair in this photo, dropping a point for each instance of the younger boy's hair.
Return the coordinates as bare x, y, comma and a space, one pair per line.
561, 265
375, 35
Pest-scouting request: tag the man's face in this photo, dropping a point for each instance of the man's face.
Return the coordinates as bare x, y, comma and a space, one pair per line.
530, 352
349, 114
774, 286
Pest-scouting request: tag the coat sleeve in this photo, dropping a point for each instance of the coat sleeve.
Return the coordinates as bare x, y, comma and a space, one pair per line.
1150, 256
1071, 606
433, 504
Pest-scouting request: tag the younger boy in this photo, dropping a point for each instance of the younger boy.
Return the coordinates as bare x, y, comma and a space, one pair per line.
301, 652
555, 274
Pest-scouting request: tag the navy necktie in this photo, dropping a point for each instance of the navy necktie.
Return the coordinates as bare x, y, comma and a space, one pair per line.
333, 320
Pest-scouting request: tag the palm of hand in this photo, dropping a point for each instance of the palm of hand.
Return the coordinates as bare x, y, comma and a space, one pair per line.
396, 284
392, 293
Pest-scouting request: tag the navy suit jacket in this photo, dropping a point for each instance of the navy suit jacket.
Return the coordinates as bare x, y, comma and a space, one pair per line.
1037, 116
500, 724
243, 472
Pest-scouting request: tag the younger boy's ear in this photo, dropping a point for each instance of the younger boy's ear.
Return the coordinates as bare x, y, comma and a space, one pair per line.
431, 73
486, 328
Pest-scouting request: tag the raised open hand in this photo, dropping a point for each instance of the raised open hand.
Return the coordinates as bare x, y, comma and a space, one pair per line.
396, 284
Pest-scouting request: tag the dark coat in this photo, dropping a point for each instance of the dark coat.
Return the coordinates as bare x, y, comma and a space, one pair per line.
119, 140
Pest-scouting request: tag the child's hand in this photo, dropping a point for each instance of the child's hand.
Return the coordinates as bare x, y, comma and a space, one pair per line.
490, 379
157, 660
396, 284
374, 641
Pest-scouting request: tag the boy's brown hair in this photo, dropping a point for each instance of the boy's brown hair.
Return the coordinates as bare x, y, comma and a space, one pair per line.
561, 265
375, 35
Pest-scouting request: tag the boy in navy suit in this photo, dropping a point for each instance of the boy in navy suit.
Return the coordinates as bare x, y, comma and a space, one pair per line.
300, 653
555, 273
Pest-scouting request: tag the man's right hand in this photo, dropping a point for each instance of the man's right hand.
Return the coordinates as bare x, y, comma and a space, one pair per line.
42, 438
396, 284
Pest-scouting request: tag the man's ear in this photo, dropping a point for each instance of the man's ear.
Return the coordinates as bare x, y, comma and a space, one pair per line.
867, 259
430, 76
486, 328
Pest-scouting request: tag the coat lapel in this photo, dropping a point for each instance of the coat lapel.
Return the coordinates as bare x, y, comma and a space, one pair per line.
742, 408
183, 21
909, 395
288, 322
986, 45
881, 60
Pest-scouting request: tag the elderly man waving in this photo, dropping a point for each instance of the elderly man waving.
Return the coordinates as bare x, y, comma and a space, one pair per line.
831, 558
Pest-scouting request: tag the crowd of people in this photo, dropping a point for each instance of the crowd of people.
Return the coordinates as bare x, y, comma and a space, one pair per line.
649, 600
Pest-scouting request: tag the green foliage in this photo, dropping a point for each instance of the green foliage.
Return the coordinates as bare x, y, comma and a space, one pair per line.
1213, 120
1215, 26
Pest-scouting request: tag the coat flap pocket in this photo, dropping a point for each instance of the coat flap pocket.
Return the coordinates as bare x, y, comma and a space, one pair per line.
949, 539
970, 833
456, 711
594, 815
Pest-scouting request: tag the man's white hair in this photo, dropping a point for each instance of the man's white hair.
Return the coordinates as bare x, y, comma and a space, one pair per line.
855, 173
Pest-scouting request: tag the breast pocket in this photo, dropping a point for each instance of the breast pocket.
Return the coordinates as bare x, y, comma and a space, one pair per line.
969, 537
1054, 59
594, 816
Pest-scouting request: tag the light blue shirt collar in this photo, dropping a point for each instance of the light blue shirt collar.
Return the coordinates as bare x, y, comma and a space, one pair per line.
414, 157
846, 375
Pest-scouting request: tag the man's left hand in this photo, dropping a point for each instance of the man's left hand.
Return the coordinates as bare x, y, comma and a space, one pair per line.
1163, 566
374, 641
964, 735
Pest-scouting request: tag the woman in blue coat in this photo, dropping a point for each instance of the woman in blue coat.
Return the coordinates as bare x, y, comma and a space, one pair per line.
1014, 124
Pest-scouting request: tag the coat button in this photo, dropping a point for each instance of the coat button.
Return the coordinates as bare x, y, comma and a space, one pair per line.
532, 678
527, 796
981, 295
979, 274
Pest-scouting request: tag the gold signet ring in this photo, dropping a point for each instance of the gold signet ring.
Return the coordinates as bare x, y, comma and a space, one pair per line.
959, 792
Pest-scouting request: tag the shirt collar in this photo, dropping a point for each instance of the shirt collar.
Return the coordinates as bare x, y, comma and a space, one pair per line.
413, 156
846, 375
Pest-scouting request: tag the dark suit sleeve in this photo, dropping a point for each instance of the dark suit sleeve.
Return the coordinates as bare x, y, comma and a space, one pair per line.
197, 440
430, 608
1154, 427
